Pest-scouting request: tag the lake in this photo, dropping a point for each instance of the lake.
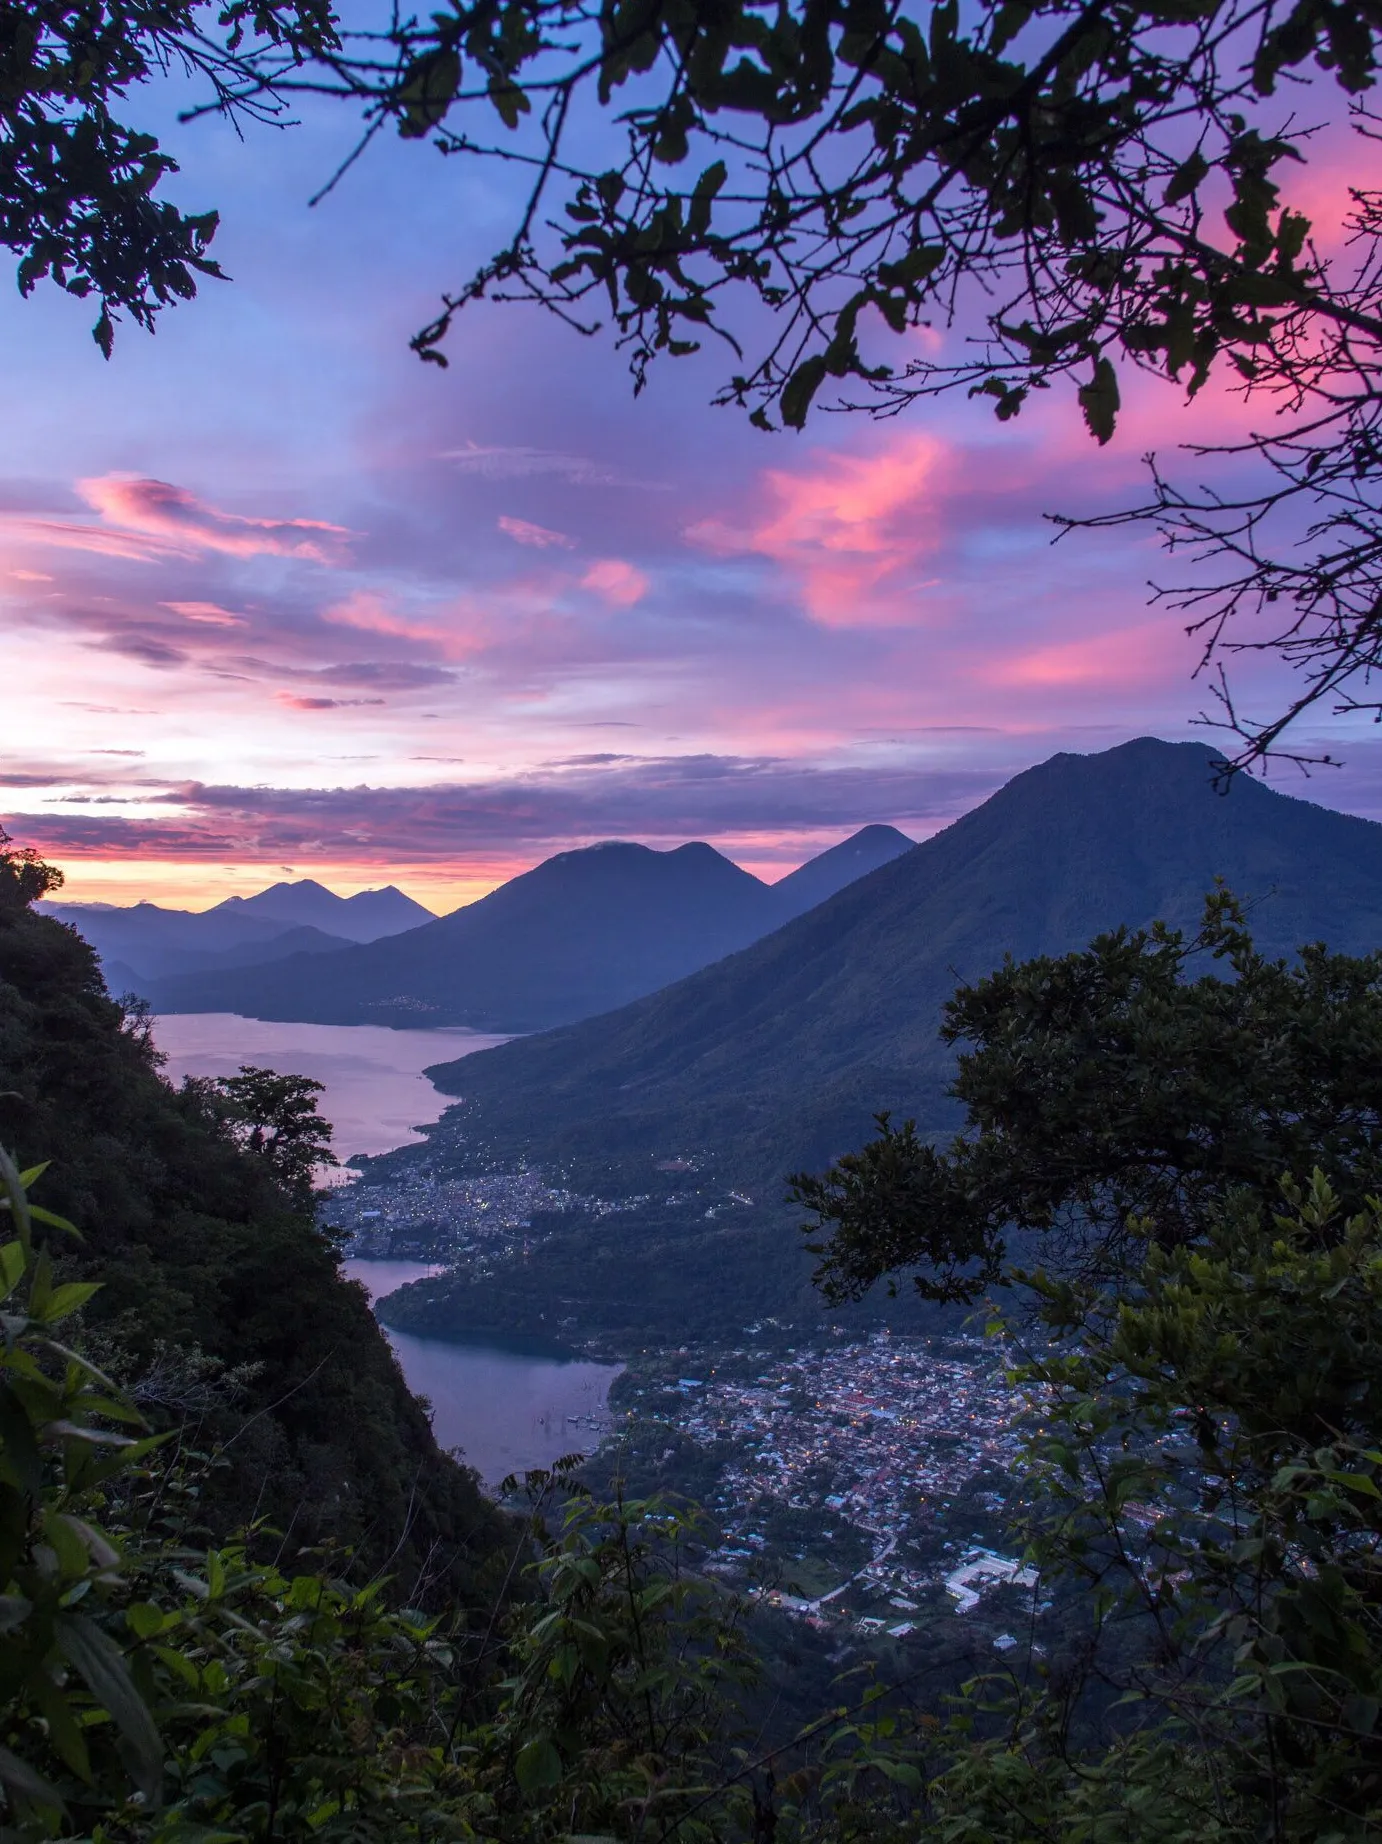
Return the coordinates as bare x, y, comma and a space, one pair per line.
505, 1408
376, 1094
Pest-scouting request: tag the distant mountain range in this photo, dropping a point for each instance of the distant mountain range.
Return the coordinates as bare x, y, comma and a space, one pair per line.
366, 916
779, 1055
145, 943
582, 933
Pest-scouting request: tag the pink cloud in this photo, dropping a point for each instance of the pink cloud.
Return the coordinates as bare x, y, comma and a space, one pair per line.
100, 539
848, 529
296, 703
209, 614
538, 536
460, 632
369, 614
1128, 658
172, 514
523, 815
618, 583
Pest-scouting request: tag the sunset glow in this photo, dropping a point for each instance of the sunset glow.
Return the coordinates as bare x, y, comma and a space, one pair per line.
277, 597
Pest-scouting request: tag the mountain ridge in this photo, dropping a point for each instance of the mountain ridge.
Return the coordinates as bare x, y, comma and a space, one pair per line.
581, 933
836, 1014
143, 942
369, 915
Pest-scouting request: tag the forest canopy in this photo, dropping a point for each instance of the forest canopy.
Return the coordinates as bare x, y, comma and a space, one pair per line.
220, 1301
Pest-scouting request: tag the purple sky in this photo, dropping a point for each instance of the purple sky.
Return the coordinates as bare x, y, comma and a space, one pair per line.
279, 597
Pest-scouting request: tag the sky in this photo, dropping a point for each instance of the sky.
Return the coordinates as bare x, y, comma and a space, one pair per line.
276, 599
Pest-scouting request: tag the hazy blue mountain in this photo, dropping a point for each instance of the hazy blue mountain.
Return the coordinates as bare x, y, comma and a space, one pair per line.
145, 932
302, 940
779, 1055
168, 963
144, 942
583, 932
820, 877
367, 916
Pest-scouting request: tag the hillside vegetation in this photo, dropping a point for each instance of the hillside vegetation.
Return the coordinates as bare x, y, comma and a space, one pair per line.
1197, 1654
220, 1301
777, 1059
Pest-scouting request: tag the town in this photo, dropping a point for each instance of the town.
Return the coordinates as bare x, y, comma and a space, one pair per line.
420, 1216
859, 1482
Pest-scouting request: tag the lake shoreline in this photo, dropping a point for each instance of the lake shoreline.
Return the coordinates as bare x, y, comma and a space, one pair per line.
500, 1405
497, 1403
378, 1096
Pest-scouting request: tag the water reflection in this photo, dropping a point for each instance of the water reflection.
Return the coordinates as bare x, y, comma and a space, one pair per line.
506, 1408
376, 1094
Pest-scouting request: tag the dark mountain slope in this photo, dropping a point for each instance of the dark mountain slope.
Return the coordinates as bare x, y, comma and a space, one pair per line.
821, 877
201, 1256
303, 940
582, 932
779, 1055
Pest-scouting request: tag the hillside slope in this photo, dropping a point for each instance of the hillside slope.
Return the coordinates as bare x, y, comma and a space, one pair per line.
200, 1257
779, 1055
830, 871
155, 940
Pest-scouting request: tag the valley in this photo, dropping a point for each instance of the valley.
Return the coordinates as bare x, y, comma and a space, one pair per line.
619, 1186
691, 923
589, 1248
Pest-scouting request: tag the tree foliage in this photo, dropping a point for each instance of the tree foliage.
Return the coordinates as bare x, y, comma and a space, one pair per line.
1069, 191
1115, 1094
24, 877
221, 1305
1203, 1481
1203, 1473
275, 1117
1198, 1338
77, 184
1206, 1477
152, 1691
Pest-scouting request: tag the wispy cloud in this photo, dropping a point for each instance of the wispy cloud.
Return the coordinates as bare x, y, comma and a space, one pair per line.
210, 614
538, 537
172, 513
295, 702
658, 799
146, 521
523, 463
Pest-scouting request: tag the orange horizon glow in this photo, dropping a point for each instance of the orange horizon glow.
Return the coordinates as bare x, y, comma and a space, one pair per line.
174, 883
